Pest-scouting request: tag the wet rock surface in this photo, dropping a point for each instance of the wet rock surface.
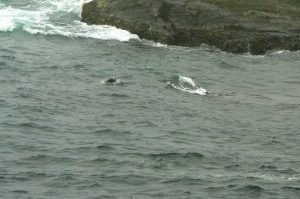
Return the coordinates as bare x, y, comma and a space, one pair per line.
236, 26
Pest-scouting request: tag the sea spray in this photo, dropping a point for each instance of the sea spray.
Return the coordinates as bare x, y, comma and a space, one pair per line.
186, 84
56, 17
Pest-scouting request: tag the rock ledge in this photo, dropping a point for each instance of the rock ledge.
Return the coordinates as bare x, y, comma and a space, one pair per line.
236, 26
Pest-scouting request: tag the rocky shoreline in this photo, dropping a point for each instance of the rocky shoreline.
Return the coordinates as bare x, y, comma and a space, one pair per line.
236, 26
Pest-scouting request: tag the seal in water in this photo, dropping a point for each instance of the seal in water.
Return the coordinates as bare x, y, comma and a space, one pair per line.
111, 81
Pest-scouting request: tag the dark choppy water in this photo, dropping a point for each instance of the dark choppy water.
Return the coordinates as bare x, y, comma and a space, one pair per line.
65, 134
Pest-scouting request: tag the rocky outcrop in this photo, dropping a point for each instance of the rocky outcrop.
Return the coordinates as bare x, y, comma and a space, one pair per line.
236, 26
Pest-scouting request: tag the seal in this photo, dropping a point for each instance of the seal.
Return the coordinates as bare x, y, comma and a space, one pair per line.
111, 81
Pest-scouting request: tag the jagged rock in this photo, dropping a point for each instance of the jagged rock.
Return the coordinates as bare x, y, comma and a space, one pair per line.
236, 26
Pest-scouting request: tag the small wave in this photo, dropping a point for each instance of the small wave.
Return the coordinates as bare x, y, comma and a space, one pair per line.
254, 189
232, 167
63, 180
184, 180
42, 159
186, 84
8, 57
56, 17
297, 82
275, 176
102, 160
2, 64
292, 188
267, 167
116, 95
31, 125
89, 185
253, 56
278, 52
105, 147
18, 191
110, 131
177, 157
225, 65
154, 44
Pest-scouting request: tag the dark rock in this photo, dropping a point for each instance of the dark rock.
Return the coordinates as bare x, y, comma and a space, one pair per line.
236, 26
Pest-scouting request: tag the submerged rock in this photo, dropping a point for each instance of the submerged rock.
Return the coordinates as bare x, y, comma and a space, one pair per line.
236, 26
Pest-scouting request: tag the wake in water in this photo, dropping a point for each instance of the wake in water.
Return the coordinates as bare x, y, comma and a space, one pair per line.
54, 17
186, 84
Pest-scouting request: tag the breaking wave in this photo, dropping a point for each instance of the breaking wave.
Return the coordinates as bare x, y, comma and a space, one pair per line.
55, 17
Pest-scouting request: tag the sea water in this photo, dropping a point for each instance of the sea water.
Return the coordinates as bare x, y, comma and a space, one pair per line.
156, 132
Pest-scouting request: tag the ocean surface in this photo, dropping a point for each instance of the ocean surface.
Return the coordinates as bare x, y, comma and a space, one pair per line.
65, 133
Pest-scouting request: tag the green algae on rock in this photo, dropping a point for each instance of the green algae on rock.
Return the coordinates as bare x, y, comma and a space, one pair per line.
237, 26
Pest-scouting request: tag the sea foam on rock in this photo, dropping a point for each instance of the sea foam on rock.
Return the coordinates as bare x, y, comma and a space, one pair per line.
237, 26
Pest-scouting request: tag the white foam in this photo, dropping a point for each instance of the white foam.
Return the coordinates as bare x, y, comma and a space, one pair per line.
278, 52
79, 29
198, 91
188, 80
253, 56
154, 44
187, 84
6, 24
52, 17
276, 177
10, 18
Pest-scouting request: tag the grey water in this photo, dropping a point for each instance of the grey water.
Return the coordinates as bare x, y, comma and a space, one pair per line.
66, 134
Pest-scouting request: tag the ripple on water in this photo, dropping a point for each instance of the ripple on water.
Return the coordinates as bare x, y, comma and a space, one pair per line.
226, 65
178, 159
18, 191
274, 174
110, 131
187, 181
2, 63
189, 155
296, 189
250, 190
31, 125
41, 159
8, 57
63, 180
117, 95
130, 179
105, 147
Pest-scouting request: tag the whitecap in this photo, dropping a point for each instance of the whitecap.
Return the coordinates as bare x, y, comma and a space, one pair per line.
154, 44
253, 56
10, 18
276, 177
79, 29
186, 84
57, 17
278, 52
188, 80
6, 24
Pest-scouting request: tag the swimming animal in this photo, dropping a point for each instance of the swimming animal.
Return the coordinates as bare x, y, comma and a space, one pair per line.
111, 81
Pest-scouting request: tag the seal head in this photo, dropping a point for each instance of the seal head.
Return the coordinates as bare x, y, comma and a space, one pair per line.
111, 81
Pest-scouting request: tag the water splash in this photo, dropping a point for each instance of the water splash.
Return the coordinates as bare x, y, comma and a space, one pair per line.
186, 84
56, 17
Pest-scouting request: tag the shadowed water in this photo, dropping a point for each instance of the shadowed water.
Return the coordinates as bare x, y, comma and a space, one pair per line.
65, 134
